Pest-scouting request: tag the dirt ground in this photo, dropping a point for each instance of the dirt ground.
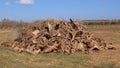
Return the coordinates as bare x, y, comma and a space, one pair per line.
102, 59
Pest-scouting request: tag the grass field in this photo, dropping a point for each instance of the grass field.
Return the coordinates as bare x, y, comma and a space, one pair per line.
104, 59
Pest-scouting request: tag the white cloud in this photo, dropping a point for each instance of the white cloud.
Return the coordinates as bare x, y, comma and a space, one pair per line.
26, 2
7, 3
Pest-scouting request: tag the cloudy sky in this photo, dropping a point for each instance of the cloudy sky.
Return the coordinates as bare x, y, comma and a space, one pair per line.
30, 10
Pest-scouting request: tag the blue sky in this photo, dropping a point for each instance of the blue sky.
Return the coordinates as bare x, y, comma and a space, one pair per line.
30, 10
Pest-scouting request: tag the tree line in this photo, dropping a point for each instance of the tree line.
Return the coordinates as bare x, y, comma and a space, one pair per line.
10, 24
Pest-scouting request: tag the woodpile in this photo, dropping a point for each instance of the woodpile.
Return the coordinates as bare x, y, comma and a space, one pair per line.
51, 36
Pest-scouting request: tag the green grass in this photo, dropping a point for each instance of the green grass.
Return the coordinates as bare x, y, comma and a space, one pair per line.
105, 65
11, 59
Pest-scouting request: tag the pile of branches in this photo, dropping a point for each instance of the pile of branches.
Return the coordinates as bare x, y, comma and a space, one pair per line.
51, 36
